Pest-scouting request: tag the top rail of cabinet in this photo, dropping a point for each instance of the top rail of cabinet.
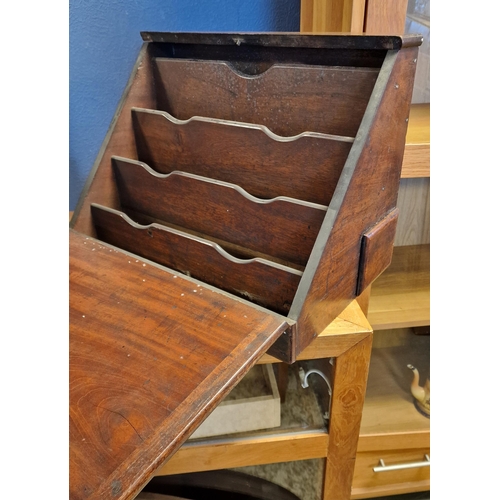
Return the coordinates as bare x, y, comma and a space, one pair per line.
286, 39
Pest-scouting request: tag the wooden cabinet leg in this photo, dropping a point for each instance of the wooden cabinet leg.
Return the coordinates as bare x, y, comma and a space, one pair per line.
350, 375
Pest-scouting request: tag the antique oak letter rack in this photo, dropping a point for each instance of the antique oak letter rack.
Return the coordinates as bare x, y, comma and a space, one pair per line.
244, 195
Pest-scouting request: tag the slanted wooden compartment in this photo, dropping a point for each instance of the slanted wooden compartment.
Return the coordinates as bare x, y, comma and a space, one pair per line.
263, 168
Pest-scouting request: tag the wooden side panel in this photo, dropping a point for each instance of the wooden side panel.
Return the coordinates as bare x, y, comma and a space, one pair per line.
376, 250
283, 228
268, 284
150, 356
100, 187
307, 167
367, 190
288, 99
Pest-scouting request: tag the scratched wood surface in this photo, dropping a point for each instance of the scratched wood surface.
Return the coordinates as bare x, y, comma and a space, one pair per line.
151, 353
283, 228
261, 281
276, 98
306, 167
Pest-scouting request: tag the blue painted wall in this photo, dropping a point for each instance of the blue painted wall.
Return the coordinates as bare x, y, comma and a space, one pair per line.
104, 44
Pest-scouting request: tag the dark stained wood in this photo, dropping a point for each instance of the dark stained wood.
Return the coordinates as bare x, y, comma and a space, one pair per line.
235, 250
283, 228
100, 186
151, 353
376, 250
336, 41
367, 189
276, 98
266, 166
263, 282
349, 387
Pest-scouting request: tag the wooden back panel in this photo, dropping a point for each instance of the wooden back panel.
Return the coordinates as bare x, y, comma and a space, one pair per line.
263, 164
283, 228
263, 282
288, 99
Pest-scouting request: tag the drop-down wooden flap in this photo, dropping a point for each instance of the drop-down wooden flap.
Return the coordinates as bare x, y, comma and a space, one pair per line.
151, 354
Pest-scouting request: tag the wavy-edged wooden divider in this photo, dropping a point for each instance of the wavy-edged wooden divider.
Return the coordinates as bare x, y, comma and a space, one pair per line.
335, 97
282, 227
306, 166
261, 281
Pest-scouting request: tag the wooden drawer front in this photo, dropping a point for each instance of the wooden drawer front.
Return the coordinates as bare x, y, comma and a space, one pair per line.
367, 483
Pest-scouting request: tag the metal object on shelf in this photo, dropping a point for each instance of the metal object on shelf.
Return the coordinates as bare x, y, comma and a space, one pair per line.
385, 468
303, 382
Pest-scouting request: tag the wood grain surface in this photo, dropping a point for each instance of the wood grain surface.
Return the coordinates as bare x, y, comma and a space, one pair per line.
151, 353
306, 167
417, 157
276, 98
264, 282
283, 228
376, 250
367, 191
328, 16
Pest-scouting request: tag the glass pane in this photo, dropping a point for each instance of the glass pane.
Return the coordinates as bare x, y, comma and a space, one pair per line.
418, 20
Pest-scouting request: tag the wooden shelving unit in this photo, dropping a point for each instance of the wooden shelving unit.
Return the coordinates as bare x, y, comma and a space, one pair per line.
400, 296
416, 160
391, 428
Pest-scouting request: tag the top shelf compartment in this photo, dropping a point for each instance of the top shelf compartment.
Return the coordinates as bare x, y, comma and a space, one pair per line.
288, 99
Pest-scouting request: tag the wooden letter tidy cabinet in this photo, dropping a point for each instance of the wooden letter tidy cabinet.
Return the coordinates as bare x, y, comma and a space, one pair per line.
244, 195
